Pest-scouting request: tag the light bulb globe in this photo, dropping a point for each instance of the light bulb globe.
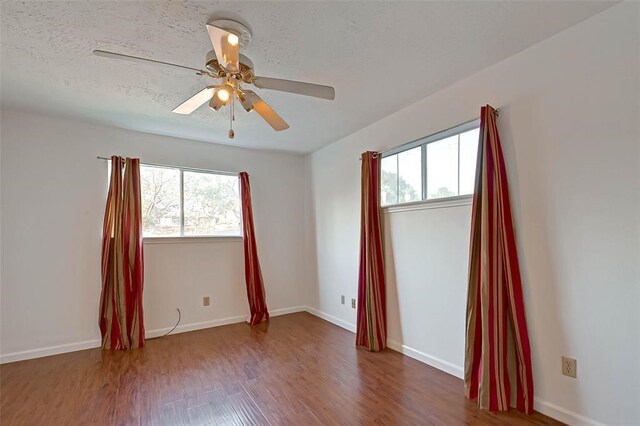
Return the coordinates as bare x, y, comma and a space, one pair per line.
233, 39
223, 94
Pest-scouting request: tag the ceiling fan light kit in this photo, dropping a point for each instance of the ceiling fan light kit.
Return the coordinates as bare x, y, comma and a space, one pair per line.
234, 27
227, 64
216, 103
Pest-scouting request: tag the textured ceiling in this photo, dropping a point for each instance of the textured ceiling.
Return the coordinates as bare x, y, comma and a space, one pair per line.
380, 57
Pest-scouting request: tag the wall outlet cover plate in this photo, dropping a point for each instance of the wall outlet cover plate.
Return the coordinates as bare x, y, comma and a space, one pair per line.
569, 367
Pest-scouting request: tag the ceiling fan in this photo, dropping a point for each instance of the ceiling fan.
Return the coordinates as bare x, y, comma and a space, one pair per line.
232, 70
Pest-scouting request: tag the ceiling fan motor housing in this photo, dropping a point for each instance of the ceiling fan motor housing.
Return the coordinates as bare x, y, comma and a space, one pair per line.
246, 67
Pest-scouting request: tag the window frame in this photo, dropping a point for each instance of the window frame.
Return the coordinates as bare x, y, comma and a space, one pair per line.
194, 238
422, 143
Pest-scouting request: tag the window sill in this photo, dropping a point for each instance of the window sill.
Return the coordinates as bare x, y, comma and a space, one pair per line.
189, 240
438, 203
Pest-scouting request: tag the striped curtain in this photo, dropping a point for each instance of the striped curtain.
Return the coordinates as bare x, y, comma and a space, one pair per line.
252, 273
497, 356
372, 316
121, 317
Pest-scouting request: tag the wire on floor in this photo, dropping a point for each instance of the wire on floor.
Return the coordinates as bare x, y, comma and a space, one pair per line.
174, 327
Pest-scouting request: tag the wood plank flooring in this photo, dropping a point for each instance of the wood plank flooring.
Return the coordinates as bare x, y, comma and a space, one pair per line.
296, 370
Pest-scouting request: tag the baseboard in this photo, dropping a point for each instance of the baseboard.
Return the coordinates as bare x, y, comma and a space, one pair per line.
562, 414
433, 361
185, 328
554, 411
95, 343
219, 322
430, 360
331, 319
285, 311
49, 350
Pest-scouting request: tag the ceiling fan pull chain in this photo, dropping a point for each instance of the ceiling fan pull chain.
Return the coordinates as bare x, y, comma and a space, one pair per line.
231, 115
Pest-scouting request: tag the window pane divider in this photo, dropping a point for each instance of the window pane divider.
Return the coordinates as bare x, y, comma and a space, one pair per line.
458, 193
181, 203
397, 178
424, 172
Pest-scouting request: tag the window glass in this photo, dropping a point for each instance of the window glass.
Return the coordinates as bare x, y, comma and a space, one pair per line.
160, 188
389, 180
449, 170
177, 202
211, 204
468, 156
442, 168
410, 175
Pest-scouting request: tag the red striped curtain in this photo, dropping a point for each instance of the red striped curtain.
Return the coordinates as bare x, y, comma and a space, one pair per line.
121, 317
498, 356
372, 316
252, 273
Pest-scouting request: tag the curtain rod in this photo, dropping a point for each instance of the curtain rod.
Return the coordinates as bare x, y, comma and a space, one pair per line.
396, 147
193, 169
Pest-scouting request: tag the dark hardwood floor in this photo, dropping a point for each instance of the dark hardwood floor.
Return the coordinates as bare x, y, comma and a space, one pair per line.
297, 370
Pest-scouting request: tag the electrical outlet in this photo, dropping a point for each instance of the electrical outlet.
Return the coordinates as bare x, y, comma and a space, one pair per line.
569, 367
342, 299
353, 303
206, 301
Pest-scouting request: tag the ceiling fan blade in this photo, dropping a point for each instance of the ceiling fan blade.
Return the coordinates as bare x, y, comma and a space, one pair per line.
136, 59
196, 101
226, 46
297, 87
253, 101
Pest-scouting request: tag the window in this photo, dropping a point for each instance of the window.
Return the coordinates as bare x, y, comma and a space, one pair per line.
438, 166
184, 203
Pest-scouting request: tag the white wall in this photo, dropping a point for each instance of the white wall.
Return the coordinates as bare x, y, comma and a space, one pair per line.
53, 192
426, 253
569, 122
